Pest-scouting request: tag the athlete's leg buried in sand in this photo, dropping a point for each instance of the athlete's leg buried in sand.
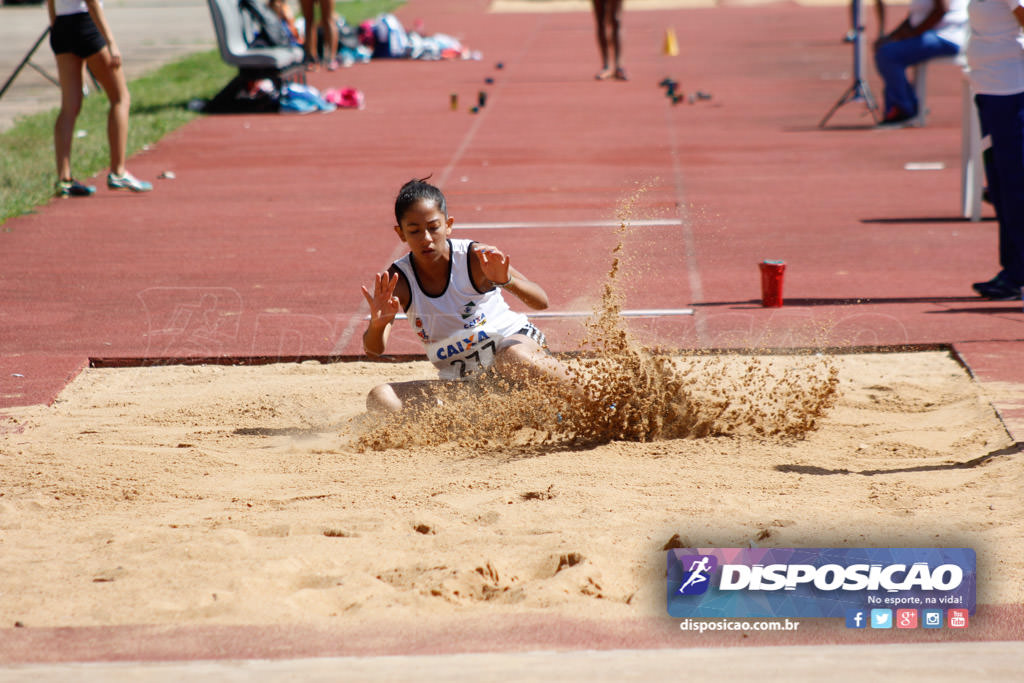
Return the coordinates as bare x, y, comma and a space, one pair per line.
518, 359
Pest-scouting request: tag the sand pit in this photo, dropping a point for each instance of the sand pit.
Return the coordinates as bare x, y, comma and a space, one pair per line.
239, 495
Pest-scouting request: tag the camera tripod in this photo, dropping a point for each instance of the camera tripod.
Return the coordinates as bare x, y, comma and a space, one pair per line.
859, 89
27, 61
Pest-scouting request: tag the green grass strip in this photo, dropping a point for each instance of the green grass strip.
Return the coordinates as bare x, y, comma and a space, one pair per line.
159, 106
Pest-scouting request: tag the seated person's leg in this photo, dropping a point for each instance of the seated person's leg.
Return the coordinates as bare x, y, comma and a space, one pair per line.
892, 60
895, 57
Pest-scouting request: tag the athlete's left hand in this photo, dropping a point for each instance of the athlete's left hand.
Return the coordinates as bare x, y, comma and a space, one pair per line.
493, 262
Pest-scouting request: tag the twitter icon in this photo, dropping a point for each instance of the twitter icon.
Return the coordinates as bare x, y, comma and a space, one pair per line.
881, 618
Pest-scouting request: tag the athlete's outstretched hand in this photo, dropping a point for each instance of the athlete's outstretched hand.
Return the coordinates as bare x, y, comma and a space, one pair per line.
384, 305
494, 263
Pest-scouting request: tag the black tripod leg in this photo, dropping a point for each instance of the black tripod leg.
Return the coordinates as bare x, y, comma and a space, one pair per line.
859, 89
28, 56
92, 77
848, 96
45, 74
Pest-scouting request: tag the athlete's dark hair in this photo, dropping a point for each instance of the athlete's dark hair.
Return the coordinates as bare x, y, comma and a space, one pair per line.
414, 191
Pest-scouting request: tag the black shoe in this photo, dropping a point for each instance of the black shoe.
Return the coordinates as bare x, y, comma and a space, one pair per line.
897, 118
73, 188
998, 289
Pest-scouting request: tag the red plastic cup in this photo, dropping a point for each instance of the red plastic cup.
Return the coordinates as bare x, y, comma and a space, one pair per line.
771, 283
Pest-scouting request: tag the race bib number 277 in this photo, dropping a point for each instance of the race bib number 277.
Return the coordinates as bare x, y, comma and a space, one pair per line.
464, 354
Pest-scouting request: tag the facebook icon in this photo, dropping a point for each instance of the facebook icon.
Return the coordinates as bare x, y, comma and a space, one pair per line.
856, 618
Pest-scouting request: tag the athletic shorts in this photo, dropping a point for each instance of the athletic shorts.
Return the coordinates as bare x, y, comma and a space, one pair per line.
533, 333
76, 33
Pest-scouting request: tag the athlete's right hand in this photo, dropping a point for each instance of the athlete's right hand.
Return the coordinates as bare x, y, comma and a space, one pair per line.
384, 305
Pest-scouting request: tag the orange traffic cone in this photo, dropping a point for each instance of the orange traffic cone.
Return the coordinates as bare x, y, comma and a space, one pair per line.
671, 45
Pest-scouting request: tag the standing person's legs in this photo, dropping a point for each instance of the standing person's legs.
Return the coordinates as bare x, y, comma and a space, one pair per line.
112, 80
69, 72
309, 18
1002, 117
614, 15
330, 25
981, 103
892, 60
600, 21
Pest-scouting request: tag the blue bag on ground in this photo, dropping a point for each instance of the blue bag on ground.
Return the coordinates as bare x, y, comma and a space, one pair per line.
302, 99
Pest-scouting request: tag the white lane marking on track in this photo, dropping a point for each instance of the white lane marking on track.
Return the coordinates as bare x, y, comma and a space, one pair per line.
689, 241
628, 313
647, 223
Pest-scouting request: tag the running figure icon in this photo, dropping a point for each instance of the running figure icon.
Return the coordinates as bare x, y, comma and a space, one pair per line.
699, 571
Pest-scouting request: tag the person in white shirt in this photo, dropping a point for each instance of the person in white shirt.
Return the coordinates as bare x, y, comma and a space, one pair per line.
451, 291
995, 55
79, 37
933, 28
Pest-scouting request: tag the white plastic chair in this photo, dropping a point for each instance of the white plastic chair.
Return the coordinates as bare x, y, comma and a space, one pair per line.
971, 144
971, 148
920, 81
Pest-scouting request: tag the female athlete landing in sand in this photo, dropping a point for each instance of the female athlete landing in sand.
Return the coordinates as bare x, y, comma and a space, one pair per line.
451, 291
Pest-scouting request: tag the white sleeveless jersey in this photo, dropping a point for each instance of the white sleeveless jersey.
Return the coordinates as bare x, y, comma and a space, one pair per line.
462, 327
63, 7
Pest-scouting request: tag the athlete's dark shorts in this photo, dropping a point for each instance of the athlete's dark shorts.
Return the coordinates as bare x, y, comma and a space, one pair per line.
533, 333
76, 33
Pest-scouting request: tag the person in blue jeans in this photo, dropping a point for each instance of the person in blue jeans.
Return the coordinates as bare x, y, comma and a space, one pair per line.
932, 29
995, 54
